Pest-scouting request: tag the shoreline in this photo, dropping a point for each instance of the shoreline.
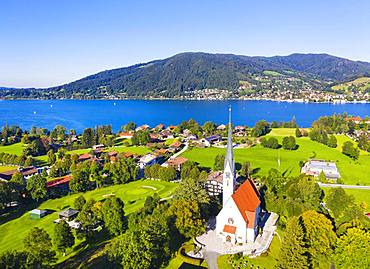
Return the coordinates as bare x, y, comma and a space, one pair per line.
193, 99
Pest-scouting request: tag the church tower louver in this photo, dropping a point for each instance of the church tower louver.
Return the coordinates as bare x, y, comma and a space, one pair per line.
229, 175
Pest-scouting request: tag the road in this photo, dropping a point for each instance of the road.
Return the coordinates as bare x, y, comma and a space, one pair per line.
359, 187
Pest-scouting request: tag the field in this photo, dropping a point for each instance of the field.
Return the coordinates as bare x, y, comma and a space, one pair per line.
263, 159
133, 194
7, 168
362, 83
16, 149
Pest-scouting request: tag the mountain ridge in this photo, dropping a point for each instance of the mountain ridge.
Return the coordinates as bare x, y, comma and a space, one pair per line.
189, 71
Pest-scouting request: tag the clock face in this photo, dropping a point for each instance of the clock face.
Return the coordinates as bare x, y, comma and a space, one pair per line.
227, 175
230, 221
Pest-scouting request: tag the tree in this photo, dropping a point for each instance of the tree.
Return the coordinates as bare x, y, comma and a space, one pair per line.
320, 239
261, 128
113, 215
209, 127
272, 143
140, 138
332, 142
129, 126
189, 221
38, 244
123, 170
80, 181
89, 217
63, 237
219, 162
51, 157
5, 194
289, 143
18, 182
293, 252
79, 202
246, 169
88, 137
298, 132
353, 249
349, 150
36, 185
15, 260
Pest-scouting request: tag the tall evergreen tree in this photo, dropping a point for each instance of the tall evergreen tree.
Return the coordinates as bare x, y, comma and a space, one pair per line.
293, 253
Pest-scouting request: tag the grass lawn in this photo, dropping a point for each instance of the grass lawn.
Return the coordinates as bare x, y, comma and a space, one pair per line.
263, 159
360, 195
7, 168
133, 194
141, 150
265, 261
16, 149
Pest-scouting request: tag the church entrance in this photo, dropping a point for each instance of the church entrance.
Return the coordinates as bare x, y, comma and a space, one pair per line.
228, 238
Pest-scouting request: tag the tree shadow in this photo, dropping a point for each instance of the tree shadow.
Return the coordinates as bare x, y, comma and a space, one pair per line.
13, 213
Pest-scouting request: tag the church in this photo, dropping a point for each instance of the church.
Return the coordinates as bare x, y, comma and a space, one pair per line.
237, 221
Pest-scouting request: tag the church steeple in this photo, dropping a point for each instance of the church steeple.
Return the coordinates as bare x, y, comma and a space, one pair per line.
229, 176
229, 159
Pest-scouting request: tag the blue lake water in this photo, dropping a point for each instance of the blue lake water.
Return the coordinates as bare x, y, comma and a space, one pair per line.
79, 114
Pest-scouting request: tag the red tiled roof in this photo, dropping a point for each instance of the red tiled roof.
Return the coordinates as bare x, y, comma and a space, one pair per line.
229, 229
177, 161
354, 118
176, 144
84, 156
247, 200
125, 134
112, 153
58, 181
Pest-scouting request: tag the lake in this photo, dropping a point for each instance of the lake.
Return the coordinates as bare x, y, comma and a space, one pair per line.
79, 114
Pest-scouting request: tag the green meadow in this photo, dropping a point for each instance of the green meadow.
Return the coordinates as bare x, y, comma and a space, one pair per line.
133, 194
4, 168
359, 195
16, 149
263, 159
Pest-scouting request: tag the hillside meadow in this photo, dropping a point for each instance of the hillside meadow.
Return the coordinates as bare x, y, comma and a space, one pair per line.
263, 159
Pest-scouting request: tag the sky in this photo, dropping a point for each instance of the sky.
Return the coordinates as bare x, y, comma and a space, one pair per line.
46, 43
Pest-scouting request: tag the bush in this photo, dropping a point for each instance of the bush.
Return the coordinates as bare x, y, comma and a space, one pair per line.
271, 143
349, 150
289, 143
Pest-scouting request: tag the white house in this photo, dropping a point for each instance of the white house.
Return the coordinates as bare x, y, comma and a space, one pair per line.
237, 222
147, 160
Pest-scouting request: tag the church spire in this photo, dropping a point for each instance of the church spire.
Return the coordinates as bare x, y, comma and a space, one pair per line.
229, 175
229, 159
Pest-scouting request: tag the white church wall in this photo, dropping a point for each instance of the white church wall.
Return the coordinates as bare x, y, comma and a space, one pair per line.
230, 210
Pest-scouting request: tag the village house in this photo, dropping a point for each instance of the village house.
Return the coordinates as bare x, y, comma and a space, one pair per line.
62, 182
176, 163
165, 134
37, 213
126, 135
175, 146
99, 147
142, 127
214, 183
210, 140
315, 167
84, 157
159, 127
221, 127
27, 172
147, 160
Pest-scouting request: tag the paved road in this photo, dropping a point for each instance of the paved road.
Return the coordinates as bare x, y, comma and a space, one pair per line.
359, 187
211, 259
